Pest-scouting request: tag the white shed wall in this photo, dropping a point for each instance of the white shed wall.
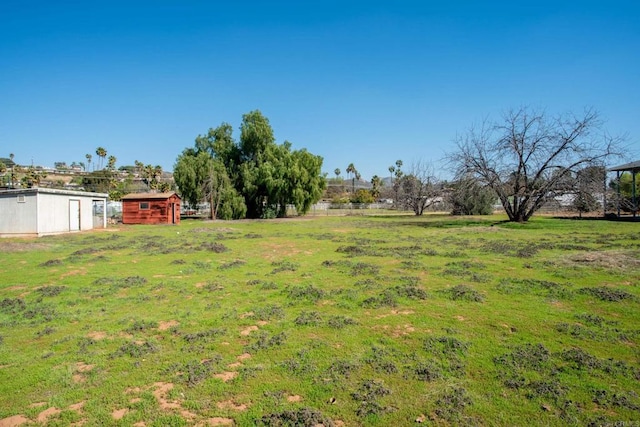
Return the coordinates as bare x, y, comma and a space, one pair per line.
18, 213
48, 212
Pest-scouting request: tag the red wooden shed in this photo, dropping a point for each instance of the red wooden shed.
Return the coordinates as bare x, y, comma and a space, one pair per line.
151, 208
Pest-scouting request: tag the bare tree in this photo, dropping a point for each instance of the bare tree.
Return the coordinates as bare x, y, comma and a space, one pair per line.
527, 158
420, 188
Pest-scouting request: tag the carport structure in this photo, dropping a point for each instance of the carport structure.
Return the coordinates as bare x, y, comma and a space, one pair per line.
633, 168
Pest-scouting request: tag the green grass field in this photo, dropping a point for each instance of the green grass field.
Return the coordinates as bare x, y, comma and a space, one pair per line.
343, 321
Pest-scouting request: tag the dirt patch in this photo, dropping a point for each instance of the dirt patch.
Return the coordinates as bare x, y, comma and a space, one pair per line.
47, 413
234, 365
396, 313
97, 335
163, 326
83, 367
247, 314
160, 393
606, 259
77, 272
24, 246
218, 421
119, 414
226, 376
15, 288
77, 406
294, 398
230, 404
244, 356
248, 330
277, 250
13, 421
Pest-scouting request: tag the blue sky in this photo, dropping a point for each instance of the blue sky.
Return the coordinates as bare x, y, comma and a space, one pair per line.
363, 82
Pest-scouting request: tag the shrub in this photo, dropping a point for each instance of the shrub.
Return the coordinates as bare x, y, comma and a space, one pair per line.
604, 293
463, 293
452, 403
312, 318
384, 299
301, 417
133, 349
309, 293
339, 322
367, 395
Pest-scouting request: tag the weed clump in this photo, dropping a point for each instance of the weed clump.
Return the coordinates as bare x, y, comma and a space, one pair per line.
341, 369
604, 293
232, 264
308, 318
46, 331
214, 247
367, 397
51, 263
339, 322
451, 404
534, 286
281, 266
121, 282
141, 325
193, 372
384, 299
426, 371
363, 268
463, 293
306, 293
411, 292
133, 349
268, 312
43, 312
525, 357
12, 305
607, 399
381, 360
206, 336
264, 341
303, 417
353, 250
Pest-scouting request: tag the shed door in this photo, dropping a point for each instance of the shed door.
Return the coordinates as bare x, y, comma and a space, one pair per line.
74, 215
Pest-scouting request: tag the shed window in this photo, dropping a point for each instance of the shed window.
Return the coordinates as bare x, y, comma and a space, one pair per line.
21, 199
144, 205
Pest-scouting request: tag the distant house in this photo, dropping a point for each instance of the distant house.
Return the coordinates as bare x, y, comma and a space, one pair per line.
151, 208
45, 211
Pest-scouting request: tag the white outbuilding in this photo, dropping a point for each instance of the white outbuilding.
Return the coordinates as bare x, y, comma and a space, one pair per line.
45, 211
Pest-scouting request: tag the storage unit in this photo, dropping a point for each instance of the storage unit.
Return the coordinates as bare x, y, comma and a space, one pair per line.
151, 208
44, 211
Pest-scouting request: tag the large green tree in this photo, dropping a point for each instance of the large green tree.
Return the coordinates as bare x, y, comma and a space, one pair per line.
201, 178
268, 176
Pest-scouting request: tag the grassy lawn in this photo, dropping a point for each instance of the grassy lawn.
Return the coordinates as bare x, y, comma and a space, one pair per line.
344, 321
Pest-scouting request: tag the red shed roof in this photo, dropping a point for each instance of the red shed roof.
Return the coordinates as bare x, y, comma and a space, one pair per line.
148, 196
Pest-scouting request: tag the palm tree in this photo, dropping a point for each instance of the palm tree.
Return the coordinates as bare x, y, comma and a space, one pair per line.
337, 172
350, 169
111, 164
102, 153
88, 156
11, 156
